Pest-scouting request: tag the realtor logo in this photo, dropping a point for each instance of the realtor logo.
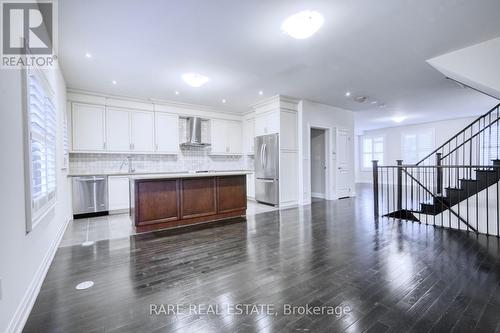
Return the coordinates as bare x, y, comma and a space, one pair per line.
28, 33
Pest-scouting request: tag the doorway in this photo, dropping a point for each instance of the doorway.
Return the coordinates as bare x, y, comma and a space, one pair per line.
318, 163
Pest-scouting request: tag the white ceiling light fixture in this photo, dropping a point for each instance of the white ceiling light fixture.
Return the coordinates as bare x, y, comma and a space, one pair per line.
261, 92
114, 82
88, 55
398, 119
303, 25
177, 93
347, 94
194, 79
224, 100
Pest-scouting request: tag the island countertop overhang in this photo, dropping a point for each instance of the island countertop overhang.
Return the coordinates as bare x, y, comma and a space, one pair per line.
191, 175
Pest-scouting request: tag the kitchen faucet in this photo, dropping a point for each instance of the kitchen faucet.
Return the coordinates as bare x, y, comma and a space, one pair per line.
127, 160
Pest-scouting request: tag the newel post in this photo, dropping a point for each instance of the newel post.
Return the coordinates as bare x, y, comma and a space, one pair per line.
375, 188
399, 186
439, 174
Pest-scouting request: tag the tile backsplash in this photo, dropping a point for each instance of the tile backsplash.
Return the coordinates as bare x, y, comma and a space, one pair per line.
190, 159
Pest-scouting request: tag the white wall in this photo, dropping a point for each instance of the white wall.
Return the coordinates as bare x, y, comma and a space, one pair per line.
24, 258
312, 114
443, 131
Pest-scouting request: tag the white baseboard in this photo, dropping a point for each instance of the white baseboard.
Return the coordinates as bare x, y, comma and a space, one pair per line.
24, 309
317, 195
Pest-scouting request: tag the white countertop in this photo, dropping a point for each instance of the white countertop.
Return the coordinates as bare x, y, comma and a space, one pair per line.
161, 174
191, 175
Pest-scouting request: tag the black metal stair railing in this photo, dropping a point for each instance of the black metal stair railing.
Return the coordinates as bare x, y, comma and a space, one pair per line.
464, 197
476, 144
455, 186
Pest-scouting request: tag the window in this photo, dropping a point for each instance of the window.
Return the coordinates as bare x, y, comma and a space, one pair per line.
372, 149
490, 145
417, 146
42, 128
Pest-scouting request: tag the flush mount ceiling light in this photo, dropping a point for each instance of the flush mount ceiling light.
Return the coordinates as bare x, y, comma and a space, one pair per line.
88, 55
303, 24
177, 93
347, 94
194, 79
398, 119
261, 93
114, 82
223, 100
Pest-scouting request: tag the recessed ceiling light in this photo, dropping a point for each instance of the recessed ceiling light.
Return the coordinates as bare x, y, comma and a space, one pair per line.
194, 79
261, 93
398, 119
303, 24
223, 100
177, 93
88, 55
348, 94
114, 82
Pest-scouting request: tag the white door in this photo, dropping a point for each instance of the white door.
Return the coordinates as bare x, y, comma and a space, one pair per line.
143, 131
118, 193
344, 168
117, 130
167, 132
88, 127
234, 137
218, 131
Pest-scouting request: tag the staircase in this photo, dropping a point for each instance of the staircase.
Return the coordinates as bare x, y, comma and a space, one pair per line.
455, 186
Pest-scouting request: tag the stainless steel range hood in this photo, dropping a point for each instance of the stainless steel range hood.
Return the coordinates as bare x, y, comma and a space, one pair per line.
193, 133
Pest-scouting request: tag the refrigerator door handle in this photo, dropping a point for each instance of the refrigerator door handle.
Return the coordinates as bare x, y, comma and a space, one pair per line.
262, 155
265, 155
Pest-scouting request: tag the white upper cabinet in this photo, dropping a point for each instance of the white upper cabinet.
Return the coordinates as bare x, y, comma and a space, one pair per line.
142, 131
248, 135
218, 132
88, 127
226, 137
167, 132
234, 139
267, 123
118, 130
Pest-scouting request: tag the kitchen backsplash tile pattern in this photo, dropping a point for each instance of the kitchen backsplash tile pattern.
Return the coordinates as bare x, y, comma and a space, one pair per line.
188, 160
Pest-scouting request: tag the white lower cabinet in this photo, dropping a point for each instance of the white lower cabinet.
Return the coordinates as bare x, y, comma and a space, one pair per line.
251, 185
118, 194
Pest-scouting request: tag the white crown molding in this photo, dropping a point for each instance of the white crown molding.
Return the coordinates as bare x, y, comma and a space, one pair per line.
154, 101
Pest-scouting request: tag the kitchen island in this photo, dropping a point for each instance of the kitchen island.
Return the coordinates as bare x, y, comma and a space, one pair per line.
175, 200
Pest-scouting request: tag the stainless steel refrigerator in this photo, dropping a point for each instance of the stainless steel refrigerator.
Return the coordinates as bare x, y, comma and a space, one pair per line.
267, 169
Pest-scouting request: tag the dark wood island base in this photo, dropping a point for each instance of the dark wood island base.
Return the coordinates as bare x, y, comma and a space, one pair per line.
175, 201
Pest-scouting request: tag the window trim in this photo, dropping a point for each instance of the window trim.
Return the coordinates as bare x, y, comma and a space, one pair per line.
431, 131
34, 218
362, 153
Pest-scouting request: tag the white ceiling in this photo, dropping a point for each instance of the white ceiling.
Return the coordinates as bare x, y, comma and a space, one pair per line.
373, 48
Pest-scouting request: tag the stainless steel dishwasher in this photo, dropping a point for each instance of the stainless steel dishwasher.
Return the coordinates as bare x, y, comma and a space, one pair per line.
90, 196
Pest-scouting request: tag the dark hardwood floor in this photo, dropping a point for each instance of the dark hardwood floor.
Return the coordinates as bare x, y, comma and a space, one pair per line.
391, 276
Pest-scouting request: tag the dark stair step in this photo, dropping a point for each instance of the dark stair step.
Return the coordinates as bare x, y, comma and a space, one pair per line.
496, 162
455, 195
430, 209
